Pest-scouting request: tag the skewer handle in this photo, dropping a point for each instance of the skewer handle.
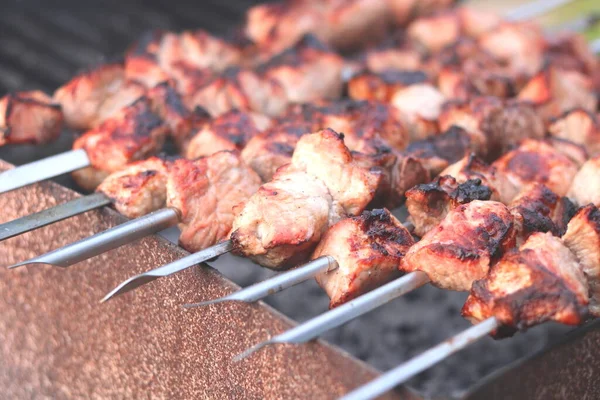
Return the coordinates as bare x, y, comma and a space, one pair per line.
420, 363
43, 169
107, 240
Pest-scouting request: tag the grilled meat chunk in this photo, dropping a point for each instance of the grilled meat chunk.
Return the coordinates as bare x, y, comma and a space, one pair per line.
242, 89
578, 126
554, 91
205, 192
583, 239
368, 249
498, 125
229, 131
29, 117
538, 161
585, 185
571, 51
395, 54
139, 188
462, 247
404, 10
308, 71
420, 106
475, 23
540, 282
434, 32
383, 85
133, 134
93, 96
321, 185
538, 209
429, 203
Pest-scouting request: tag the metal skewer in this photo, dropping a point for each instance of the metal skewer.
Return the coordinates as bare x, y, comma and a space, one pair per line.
423, 361
43, 169
534, 9
169, 269
107, 240
52, 215
344, 313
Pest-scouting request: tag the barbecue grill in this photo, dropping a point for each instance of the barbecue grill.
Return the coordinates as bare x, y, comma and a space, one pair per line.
58, 342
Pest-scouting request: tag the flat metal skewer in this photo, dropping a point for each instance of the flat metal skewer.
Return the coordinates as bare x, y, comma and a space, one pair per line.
423, 361
169, 269
107, 240
43, 169
534, 9
276, 284
340, 315
52, 215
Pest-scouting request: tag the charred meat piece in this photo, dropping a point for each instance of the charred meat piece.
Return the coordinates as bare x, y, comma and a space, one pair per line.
475, 23
139, 188
429, 203
538, 209
434, 32
29, 117
133, 134
583, 239
462, 247
405, 10
571, 51
498, 125
585, 185
554, 91
368, 249
308, 71
578, 126
538, 161
394, 54
230, 131
242, 89
540, 282
205, 192
420, 105
383, 85
282, 223
472, 167
93, 96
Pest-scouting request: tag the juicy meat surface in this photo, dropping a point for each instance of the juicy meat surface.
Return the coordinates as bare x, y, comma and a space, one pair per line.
585, 185
308, 71
383, 85
462, 247
368, 249
133, 134
433, 33
540, 162
139, 188
420, 105
93, 96
281, 224
578, 126
205, 192
541, 281
29, 117
429, 203
230, 131
583, 239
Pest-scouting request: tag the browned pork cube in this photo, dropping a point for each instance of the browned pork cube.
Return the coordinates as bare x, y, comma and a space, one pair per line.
139, 188
205, 192
475, 22
585, 186
368, 249
133, 134
462, 247
93, 96
578, 126
383, 85
583, 239
405, 10
435, 32
541, 282
420, 106
429, 203
308, 71
29, 117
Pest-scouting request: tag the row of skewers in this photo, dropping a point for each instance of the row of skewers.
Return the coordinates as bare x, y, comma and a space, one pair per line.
400, 130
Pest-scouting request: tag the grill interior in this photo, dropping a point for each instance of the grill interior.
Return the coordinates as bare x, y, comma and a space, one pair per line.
42, 47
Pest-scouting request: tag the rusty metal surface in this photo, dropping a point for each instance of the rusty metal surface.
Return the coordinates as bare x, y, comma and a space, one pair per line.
56, 341
569, 370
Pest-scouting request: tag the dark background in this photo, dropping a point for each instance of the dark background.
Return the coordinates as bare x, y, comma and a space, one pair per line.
42, 45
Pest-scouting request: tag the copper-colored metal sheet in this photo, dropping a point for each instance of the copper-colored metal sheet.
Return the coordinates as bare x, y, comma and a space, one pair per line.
57, 341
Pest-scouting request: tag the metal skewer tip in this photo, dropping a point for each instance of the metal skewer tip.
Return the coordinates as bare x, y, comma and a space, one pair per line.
276, 284
333, 318
420, 363
169, 269
251, 351
41, 170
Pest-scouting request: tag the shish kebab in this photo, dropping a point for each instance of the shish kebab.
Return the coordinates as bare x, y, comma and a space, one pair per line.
145, 69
